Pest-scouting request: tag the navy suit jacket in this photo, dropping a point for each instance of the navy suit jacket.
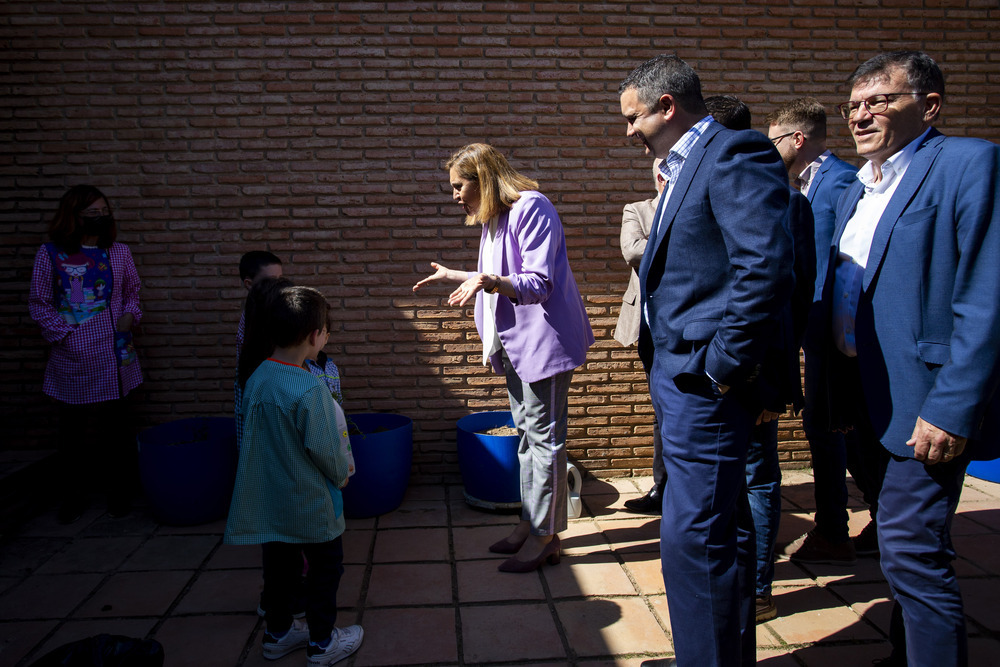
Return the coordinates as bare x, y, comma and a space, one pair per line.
718, 272
831, 179
928, 320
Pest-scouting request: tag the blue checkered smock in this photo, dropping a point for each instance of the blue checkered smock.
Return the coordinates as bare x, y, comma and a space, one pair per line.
290, 468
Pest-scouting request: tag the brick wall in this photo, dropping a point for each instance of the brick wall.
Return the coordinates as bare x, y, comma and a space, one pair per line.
318, 131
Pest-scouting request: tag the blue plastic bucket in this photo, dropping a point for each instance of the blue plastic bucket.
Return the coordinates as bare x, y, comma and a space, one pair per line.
188, 468
383, 453
488, 463
987, 470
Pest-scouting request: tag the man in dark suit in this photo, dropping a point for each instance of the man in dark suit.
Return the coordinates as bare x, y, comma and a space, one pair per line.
912, 307
715, 277
763, 472
798, 130
637, 218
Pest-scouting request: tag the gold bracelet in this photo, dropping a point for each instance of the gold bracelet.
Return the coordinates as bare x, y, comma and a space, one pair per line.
496, 284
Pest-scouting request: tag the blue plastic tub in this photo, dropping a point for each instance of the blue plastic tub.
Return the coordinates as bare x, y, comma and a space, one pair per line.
488, 463
383, 454
988, 470
188, 468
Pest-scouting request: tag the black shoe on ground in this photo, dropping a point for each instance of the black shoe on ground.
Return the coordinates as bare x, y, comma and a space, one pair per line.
866, 542
660, 662
651, 503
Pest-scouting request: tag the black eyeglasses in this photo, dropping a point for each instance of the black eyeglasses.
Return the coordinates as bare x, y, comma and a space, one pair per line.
775, 140
875, 104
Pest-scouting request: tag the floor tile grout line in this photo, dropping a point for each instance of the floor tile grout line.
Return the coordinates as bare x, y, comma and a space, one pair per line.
70, 540
453, 563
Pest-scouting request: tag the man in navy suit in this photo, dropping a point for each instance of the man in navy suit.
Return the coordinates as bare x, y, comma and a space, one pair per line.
798, 131
912, 306
714, 278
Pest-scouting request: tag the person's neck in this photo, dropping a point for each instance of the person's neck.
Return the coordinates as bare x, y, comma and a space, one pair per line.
295, 355
806, 157
89, 241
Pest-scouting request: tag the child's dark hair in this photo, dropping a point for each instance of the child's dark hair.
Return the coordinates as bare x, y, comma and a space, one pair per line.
252, 262
257, 340
295, 313
278, 314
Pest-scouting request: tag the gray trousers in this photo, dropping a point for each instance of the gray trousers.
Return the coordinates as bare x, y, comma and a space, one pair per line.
540, 410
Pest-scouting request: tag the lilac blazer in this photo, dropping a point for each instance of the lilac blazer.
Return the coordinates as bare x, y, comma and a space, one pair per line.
545, 331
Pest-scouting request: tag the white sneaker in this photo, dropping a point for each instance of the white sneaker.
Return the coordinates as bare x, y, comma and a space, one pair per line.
297, 637
343, 642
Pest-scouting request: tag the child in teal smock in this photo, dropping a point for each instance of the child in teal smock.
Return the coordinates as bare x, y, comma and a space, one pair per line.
287, 495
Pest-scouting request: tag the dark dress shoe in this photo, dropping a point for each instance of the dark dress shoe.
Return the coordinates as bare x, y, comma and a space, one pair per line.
549, 554
660, 662
651, 503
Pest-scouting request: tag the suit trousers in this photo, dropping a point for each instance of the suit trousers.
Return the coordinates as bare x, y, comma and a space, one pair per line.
707, 543
916, 508
835, 454
541, 412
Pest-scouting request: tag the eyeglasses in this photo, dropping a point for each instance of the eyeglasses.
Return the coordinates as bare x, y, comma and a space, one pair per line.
875, 104
775, 140
95, 212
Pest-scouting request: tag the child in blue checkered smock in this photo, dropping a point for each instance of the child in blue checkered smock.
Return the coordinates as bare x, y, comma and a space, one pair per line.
291, 469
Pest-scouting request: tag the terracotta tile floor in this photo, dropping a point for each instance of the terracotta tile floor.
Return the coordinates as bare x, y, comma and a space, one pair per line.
425, 588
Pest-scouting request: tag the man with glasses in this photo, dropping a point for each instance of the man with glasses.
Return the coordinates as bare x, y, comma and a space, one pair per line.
798, 131
714, 278
912, 310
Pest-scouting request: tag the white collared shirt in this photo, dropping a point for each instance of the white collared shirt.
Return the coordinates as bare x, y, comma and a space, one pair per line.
809, 173
856, 242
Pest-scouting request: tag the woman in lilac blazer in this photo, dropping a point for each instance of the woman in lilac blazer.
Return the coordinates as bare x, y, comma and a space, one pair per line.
534, 329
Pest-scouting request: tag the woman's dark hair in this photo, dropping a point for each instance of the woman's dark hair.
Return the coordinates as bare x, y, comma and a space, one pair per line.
257, 340
65, 230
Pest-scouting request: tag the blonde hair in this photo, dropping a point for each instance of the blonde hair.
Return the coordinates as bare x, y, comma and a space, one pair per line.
500, 185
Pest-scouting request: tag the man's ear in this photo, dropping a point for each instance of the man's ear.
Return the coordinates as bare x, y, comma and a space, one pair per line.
248, 283
667, 106
932, 106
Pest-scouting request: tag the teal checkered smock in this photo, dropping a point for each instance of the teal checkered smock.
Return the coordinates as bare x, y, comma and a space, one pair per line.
290, 469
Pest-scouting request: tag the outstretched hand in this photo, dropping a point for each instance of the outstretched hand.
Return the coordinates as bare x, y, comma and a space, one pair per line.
440, 273
466, 290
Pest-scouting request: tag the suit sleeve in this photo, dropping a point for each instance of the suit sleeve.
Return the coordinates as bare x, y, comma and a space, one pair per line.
749, 197
633, 240
536, 225
968, 380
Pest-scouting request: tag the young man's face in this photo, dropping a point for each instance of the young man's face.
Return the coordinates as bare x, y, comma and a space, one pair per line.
266, 271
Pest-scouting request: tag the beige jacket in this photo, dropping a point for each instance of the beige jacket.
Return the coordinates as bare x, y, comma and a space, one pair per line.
637, 218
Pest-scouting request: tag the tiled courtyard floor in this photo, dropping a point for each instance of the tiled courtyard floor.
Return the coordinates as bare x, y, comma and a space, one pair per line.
422, 583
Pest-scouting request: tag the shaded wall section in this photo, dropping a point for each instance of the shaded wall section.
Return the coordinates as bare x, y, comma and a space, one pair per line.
318, 131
